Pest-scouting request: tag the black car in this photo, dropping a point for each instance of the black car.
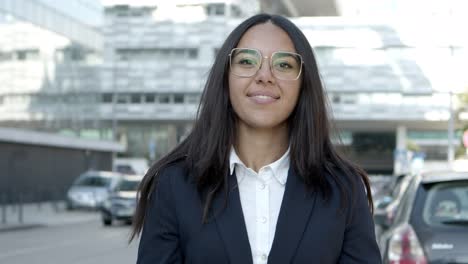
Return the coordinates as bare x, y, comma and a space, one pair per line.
121, 202
431, 222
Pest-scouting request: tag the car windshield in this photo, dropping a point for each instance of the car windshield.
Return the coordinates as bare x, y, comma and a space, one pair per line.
447, 203
125, 169
128, 185
93, 181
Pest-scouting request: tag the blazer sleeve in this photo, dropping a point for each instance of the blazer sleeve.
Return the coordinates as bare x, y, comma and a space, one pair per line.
359, 245
160, 241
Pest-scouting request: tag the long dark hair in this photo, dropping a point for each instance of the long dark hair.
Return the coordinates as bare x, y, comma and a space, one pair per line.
206, 149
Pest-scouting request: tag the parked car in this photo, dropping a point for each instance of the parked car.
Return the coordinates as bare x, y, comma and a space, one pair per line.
130, 165
90, 189
431, 223
380, 185
121, 202
386, 206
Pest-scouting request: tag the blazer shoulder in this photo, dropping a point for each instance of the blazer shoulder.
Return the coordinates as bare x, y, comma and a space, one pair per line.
175, 173
348, 180
349, 187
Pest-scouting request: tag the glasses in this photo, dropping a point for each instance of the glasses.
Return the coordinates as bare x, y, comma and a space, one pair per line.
284, 65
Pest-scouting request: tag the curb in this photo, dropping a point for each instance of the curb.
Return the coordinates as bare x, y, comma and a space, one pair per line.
8, 228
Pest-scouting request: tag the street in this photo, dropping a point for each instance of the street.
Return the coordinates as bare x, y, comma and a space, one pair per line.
79, 243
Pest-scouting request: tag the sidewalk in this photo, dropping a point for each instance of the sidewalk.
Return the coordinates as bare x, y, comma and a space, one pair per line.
47, 214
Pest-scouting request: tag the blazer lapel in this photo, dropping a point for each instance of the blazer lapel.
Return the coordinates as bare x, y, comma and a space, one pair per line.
231, 224
294, 215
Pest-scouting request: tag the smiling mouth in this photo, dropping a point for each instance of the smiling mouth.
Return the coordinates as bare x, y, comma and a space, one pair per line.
263, 99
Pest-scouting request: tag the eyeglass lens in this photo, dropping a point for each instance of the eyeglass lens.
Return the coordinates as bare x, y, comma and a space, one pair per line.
283, 65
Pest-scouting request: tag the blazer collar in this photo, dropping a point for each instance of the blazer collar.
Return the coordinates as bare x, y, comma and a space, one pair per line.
231, 225
296, 209
279, 167
294, 215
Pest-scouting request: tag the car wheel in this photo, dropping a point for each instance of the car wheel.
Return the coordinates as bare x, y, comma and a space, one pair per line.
106, 221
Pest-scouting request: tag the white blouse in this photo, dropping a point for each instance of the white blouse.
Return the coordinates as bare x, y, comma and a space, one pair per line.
261, 195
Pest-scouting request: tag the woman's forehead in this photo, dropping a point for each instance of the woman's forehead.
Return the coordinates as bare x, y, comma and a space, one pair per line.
267, 38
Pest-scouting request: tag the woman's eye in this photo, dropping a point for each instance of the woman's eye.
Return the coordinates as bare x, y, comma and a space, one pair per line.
246, 62
283, 66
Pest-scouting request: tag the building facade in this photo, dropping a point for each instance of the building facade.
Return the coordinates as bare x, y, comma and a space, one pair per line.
50, 61
385, 94
388, 83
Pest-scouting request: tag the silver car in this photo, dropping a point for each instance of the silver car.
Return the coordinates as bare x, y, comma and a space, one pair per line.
121, 202
91, 189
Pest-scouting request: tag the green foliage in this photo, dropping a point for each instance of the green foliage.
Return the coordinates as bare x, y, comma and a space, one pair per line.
412, 146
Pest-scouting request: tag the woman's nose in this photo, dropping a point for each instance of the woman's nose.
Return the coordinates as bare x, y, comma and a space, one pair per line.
264, 74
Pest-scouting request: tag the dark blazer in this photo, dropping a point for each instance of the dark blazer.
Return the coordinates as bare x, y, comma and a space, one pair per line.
309, 229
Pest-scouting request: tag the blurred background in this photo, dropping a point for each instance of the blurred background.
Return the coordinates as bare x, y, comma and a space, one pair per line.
90, 87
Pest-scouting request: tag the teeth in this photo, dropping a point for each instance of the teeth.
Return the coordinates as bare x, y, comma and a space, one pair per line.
263, 96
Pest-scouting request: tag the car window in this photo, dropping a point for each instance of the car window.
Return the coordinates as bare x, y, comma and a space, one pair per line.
407, 198
127, 169
93, 181
397, 186
446, 203
401, 186
128, 185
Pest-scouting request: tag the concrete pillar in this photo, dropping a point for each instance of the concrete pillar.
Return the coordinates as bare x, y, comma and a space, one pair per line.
401, 161
401, 137
171, 136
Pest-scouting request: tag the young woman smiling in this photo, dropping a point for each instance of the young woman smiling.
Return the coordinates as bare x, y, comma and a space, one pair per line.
258, 179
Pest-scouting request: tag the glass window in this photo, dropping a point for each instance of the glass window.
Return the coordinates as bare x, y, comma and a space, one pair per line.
122, 168
336, 99
21, 55
76, 55
446, 203
179, 98
192, 99
122, 99
348, 98
150, 98
107, 98
136, 98
128, 185
163, 98
192, 53
235, 11
93, 181
5, 56
406, 202
215, 9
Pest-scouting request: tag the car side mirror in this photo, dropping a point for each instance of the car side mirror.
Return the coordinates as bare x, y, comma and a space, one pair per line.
383, 216
383, 202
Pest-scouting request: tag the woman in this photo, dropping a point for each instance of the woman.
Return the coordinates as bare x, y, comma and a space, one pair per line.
258, 180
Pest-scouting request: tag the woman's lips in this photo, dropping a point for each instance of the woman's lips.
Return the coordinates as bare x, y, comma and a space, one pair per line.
263, 97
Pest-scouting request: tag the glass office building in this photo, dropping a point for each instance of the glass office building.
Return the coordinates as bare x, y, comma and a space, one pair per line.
135, 74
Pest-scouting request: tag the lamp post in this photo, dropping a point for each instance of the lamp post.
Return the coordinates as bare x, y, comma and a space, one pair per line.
451, 131
451, 121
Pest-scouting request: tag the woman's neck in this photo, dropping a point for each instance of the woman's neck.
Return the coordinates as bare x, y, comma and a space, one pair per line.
260, 147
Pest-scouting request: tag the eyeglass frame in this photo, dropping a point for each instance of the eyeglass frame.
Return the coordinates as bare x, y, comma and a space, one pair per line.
270, 63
